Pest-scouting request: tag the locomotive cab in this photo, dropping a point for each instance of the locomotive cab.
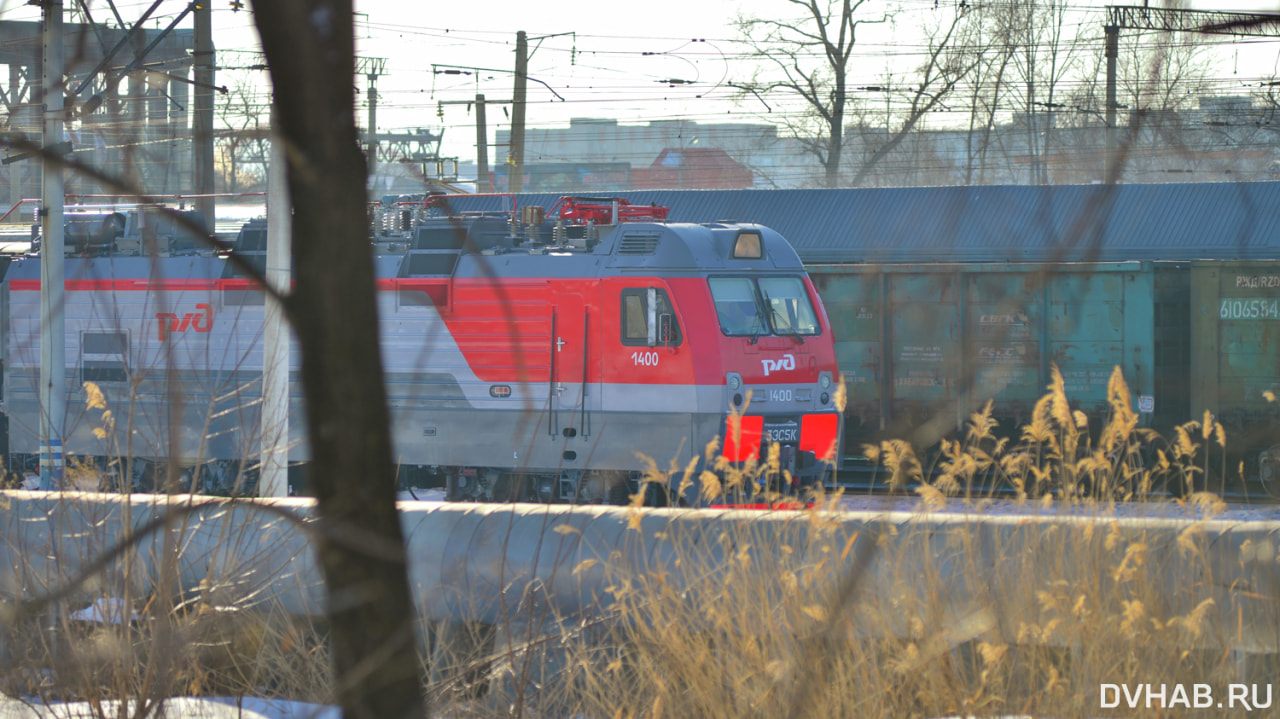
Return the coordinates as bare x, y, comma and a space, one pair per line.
728, 324
699, 346
777, 353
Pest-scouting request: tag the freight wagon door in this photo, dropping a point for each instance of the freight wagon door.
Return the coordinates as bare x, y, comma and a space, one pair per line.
1235, 360
922, 347
572, 335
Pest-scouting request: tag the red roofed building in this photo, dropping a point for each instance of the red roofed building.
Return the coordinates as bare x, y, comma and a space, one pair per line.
694, 168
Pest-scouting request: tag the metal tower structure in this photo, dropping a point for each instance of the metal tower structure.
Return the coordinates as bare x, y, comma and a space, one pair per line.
1208, 22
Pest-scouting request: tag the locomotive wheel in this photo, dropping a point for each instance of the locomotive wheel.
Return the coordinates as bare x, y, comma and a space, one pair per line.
619, 492
544, 489
603, 486
508, 488
144, 476
451, 490
656, 495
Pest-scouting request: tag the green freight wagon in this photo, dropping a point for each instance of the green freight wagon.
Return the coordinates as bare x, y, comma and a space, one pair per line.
923, 346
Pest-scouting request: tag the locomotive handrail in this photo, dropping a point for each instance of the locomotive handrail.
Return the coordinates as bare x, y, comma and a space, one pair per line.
203, 196
18, 204
70, 208
552, 427
586, 362
123, 205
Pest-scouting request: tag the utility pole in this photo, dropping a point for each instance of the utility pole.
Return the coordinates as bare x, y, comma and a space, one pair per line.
371, 68
53, 364
373, 123
274, 478
482, 136
1112, 33
202, 117
482, 147
515, 177
16, 169
1169, 20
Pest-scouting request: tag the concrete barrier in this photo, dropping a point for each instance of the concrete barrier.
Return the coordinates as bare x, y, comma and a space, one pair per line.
972, 575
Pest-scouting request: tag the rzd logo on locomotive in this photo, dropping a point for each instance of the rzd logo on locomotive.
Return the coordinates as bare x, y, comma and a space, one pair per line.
787, 362
200, 321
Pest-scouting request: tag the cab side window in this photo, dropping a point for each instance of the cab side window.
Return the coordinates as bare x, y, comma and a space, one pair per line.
635, 319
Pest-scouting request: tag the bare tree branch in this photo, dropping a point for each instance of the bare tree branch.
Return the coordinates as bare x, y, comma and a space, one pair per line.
830, 31
939, 76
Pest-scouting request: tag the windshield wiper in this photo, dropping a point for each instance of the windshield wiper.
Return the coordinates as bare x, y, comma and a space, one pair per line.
762, 322
773, 312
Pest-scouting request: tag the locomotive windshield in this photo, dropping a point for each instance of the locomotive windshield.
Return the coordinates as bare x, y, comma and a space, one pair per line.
790, 311
774, 305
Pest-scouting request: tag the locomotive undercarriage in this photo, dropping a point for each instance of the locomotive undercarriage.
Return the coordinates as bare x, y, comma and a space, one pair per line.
614, 487
609, 487
219, 477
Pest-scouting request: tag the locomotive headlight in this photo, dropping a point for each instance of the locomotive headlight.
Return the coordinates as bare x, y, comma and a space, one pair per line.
734, 381
825, 398
825, 381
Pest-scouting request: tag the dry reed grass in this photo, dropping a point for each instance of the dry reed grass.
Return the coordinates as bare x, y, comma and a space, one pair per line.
912, 617
794, 615
131, 631
941, 621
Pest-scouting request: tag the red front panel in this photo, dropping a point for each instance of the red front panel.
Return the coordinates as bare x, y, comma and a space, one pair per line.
742, 437
819, 434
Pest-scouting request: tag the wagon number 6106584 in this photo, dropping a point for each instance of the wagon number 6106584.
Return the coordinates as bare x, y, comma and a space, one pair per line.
645, 359
1236, 309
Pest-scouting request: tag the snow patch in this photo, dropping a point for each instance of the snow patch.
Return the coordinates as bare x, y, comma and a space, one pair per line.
106, 610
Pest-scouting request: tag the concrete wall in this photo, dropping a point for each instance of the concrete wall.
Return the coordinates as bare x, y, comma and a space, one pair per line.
975, 575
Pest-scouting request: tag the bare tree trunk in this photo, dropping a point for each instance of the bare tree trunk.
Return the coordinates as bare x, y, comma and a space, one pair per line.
310, 49
835, 148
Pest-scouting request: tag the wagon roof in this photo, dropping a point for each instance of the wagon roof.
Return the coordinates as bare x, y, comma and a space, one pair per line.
997, 223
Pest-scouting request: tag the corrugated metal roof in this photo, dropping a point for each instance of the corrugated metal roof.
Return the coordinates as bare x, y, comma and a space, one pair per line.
993, 223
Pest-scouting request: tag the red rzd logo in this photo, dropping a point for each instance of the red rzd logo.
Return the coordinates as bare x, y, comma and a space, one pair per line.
200, 321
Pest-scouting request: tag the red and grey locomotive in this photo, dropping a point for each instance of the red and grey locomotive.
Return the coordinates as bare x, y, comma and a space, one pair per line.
528, 355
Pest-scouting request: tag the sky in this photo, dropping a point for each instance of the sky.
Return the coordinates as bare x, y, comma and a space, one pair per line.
598, 62
614, 63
